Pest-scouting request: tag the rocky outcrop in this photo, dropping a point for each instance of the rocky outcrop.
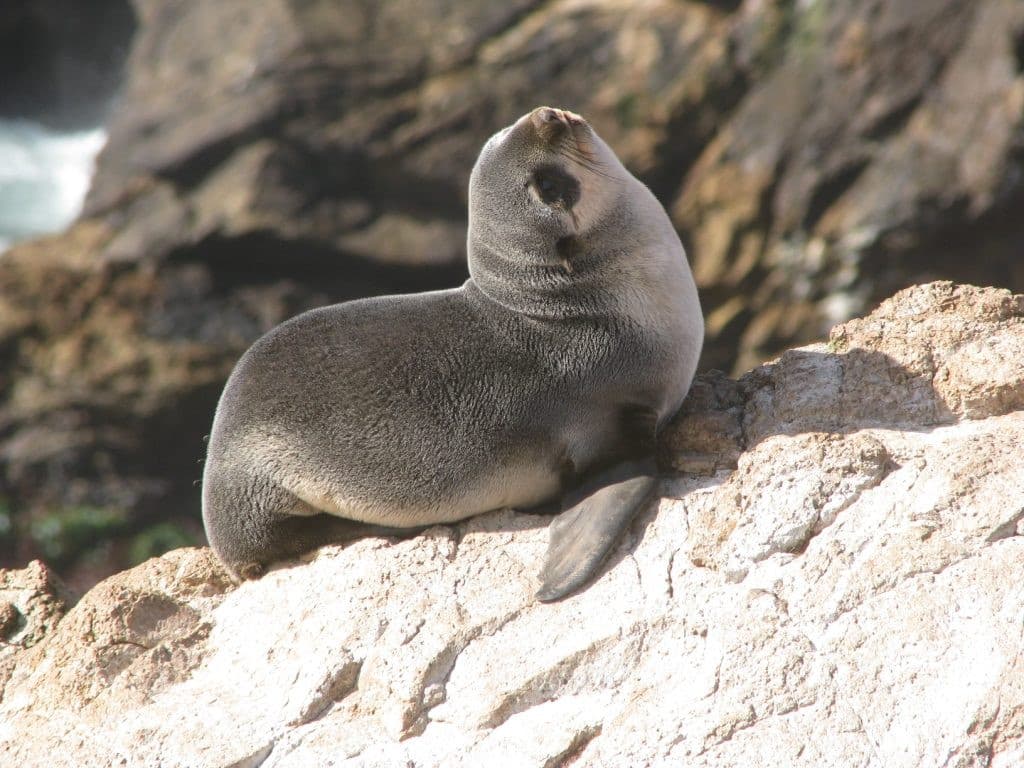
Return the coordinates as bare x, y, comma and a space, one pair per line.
829, 584
268, 157
870, 151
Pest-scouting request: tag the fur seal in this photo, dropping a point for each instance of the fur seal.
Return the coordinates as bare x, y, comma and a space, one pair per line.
545, 376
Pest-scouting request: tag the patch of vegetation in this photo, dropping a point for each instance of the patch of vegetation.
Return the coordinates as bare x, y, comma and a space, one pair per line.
6, 523
627, 110
838, 345
65, 533
789, 30
807, 24
157, 539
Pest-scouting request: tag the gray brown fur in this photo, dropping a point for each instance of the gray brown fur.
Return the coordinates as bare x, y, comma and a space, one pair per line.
575, 337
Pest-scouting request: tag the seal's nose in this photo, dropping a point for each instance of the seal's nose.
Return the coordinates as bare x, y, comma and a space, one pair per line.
551, 123
547, 115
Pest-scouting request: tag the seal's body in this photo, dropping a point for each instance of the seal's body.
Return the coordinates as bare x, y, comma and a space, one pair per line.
548, 372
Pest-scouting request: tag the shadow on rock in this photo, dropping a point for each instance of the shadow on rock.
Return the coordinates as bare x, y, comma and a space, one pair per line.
929, 356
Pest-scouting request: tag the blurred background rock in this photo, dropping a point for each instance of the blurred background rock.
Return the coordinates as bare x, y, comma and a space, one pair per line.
266, 156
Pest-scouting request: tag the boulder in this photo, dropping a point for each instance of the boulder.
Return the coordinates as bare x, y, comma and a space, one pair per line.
829, 584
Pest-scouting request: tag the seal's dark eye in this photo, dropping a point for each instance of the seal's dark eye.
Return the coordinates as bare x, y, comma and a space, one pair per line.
555, 187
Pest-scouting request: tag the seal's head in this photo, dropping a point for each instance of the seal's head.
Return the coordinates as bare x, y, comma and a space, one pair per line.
546, 177
556, 222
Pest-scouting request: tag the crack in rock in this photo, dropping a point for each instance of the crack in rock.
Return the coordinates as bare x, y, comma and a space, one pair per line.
1007, 529
335, 686
433, 689
256, 759
568, 676
575, 747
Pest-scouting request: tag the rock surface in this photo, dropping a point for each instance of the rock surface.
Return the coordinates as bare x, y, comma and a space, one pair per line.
833, 582
863, 156
266, 157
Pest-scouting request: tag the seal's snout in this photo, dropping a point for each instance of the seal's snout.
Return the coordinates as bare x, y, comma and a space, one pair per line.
547, 115
551, 124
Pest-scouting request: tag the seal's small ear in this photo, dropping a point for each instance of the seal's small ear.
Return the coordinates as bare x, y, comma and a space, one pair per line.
565, 247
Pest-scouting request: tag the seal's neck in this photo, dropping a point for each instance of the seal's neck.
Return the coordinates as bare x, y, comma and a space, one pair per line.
556, 281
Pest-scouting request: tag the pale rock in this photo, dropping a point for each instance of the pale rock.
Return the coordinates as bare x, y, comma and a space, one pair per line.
839, 586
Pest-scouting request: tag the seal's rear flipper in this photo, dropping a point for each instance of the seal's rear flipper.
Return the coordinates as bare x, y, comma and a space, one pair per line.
582, 536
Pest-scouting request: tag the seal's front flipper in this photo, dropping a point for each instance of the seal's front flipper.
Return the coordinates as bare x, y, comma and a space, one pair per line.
581, 537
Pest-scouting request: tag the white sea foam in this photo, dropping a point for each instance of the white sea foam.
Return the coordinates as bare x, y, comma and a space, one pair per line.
44, 176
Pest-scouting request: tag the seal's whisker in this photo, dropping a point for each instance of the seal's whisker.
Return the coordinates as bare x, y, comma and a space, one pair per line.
591, 164
580, 154
581, 148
